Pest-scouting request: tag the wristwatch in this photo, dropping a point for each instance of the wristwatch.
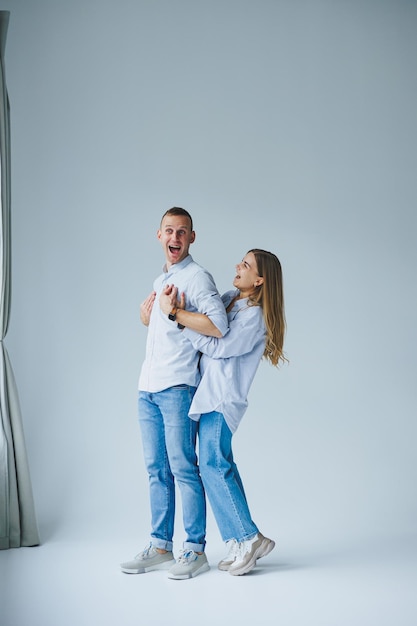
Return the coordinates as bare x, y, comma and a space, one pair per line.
173, 315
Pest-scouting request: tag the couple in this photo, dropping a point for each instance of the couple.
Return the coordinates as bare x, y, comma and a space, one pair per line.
202, 353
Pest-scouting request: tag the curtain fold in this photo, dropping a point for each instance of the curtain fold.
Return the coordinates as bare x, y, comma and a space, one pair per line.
18, 525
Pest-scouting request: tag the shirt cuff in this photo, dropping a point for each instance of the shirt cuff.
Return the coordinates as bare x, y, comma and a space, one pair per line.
190, 334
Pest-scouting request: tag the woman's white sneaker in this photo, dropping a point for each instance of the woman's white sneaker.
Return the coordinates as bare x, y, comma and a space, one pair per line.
232, 546
248, 552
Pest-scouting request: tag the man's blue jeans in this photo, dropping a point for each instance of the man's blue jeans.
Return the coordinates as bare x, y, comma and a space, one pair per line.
169, 439
221, 479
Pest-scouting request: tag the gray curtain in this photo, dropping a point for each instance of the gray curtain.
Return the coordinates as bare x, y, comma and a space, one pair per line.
17, 513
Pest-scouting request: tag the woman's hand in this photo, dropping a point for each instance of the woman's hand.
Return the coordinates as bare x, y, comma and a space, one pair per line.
146, 308
169, 299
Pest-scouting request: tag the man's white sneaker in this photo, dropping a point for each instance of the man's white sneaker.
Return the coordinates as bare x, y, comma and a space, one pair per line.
248, 552
189, 565
147, 561
226, 562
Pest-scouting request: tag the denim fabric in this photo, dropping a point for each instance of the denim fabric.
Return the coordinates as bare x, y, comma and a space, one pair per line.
169, 438
221, 479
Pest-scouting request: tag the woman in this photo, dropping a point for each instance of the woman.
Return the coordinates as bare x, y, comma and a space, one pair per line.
255, 310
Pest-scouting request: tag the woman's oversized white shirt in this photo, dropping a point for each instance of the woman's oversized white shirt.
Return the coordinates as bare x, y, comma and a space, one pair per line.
228, 365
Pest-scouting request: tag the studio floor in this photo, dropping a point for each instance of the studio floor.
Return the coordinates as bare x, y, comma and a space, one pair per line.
77, 582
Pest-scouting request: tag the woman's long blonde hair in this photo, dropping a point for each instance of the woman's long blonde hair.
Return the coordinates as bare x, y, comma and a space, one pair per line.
270, 296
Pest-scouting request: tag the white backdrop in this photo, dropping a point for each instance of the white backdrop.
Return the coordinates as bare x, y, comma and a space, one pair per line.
283, 125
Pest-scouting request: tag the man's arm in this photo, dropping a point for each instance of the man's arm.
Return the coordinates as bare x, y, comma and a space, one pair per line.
195, 321
146, 308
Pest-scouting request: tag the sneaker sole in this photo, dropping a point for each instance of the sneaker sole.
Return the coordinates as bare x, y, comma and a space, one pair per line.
204, 568
151, 568
223, 566
265, 548
269, 548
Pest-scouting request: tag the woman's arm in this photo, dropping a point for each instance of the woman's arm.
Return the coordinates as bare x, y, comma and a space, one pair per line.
245, 331
198, 322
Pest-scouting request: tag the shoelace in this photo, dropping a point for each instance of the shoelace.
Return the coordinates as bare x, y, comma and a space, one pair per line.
186, 555
242, 548
146, 553
232, 550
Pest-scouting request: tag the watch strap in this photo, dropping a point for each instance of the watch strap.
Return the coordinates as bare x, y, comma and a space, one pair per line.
173, 314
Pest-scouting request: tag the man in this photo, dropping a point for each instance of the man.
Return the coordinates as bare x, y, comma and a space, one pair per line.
167, 383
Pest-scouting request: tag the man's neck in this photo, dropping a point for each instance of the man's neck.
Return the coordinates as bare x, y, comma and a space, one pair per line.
168, 264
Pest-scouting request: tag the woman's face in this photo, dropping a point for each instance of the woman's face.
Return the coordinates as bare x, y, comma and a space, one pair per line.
247, 278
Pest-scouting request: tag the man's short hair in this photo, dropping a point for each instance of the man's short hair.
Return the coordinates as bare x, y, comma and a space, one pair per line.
176, 210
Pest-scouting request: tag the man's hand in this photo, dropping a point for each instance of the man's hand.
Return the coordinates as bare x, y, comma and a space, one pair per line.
146, 308
169, 298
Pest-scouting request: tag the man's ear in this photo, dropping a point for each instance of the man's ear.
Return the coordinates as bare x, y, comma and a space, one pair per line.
159, 233
192, 238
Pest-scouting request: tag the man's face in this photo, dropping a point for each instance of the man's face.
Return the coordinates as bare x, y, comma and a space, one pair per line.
176, 237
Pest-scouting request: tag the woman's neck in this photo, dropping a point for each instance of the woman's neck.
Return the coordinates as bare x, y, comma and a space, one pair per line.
244, 294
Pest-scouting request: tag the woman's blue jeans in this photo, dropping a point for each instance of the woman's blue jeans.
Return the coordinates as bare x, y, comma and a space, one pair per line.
169, 441
221, 479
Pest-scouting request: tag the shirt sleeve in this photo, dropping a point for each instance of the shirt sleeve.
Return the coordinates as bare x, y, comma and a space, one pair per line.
245, 331
206, 299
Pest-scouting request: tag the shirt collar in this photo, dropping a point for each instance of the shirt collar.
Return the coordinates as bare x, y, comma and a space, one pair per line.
176, 267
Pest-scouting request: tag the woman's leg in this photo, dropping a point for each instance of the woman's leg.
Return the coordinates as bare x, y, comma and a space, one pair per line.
221, 479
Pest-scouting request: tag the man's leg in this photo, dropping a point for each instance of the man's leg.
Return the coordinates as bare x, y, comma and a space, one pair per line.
157, 554
180, 441
161, 480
